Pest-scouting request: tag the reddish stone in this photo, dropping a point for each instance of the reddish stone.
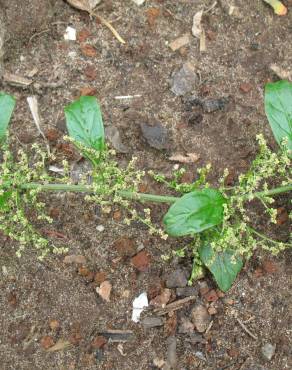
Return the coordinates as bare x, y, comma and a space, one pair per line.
211, 296
98, 342
125, 247
47, 342
245, 87
141, 261
270, 267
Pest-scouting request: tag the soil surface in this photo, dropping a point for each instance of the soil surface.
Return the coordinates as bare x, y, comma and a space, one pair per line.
50, 303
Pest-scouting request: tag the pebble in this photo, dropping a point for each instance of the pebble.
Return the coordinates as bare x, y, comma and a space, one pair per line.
186, 292
177, 279
152, 322
113, 135
156, 135
185, 326
268, 351
100, 228
171, 352
184, 80
208, 105
200, 318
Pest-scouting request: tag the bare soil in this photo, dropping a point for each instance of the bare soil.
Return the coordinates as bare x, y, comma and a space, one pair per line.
236, 64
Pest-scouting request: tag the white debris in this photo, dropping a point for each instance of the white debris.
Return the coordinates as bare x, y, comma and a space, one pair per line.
139, 2
197, 27
70, 34
57, 169
100, 228
139, 304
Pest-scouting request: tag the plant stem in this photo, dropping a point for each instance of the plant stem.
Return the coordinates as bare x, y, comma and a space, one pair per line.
280, 189
87, 189
131, 195
265, 237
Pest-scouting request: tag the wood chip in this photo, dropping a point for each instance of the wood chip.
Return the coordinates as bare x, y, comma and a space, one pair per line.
188, 158
179, 42
16, 79
116, 336
105, 290
59, 346
174, 306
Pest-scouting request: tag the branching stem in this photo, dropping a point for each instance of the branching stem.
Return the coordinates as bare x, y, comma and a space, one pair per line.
131, 195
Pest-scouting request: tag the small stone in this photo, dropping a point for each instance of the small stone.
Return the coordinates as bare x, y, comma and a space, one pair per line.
113, 135
79, 259
213, 105
186, 291
125, 247
268, 351
200, 318
98, 342
162, 299
156, 135
270, 267
100, 228
245, 87
100, 277
152, 322
171, 352
177, 279
54, 324
47, 342
88, 91
184, 80
141, 261
212, 310
211, 296
185, 326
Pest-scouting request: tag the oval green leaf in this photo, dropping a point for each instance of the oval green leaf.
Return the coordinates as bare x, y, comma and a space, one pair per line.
3, 199
224, 266
278, 107
84, 122
194, 212
7, 104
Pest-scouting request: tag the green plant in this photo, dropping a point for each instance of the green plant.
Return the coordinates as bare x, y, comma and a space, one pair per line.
220, 221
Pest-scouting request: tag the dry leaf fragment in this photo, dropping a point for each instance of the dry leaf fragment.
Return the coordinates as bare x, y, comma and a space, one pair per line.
197, 27
88, 50
74, 258
16, 79
59, 346
179, 42
278, 6
188, 158
284, 74
88, 6
104, 290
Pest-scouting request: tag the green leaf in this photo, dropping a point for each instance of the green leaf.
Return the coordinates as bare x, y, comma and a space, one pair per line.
224, 265
194, 212
3, 199
7, 104
84, 122
278, 106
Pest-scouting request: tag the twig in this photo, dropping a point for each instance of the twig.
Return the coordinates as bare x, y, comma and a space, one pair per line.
109, 26
246, 329
174, 306
37, 34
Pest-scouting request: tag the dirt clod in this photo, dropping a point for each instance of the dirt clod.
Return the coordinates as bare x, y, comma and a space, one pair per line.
200, 318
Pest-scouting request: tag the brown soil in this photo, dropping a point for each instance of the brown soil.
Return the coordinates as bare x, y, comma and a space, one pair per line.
239, 50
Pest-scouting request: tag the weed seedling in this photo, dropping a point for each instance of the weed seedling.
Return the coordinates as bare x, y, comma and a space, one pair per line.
220, 221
